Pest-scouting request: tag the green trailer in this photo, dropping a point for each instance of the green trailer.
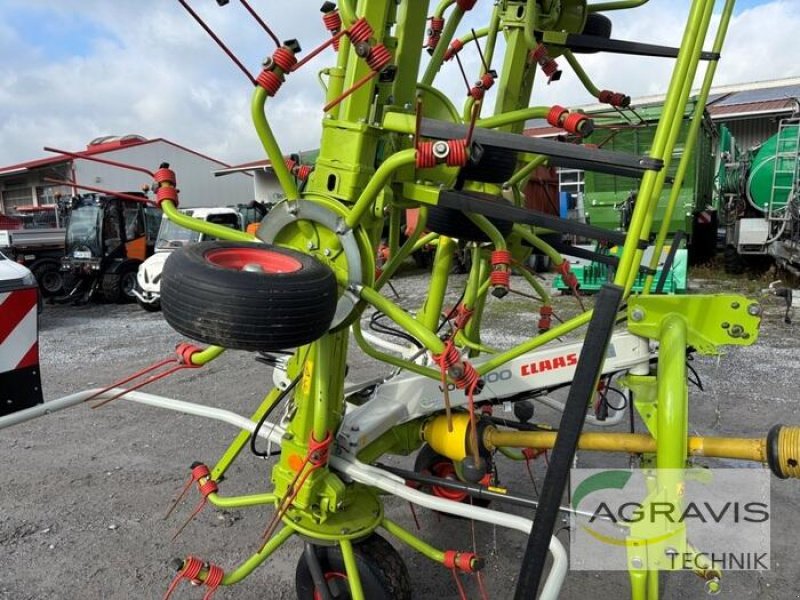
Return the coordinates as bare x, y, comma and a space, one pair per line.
609, 199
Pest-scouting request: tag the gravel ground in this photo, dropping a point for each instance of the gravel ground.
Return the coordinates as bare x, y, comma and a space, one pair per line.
84, 492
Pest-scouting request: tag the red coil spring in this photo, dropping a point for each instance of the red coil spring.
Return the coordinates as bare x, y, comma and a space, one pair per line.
378, 57
463, 315
500, 279
501, 257
555, 115
448, 358
360, 31
567, 275
213, 580
290, 164
318, 452
545, 320
303, 171
333, 23
469, 378
465, 5
458, 560
164, 174
167, 193
614, 98
425, 157
454, 48
574, 122
549, 67
434, 32
457, 157
539, 53
284, 59
270, 81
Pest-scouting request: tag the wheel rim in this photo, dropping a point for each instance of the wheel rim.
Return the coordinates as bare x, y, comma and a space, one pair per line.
330, 576
446, 470
127, 284
51, 281
239, 259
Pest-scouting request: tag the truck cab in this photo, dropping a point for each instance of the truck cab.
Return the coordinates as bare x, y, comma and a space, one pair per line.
170, 237
107, 238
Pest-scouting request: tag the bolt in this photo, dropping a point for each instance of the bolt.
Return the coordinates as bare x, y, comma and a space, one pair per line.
310, 245
344, 531
734, 305
441, 149
637, 315
754, 310
713, 586
327, 252
725, 325
637, 563
736, 331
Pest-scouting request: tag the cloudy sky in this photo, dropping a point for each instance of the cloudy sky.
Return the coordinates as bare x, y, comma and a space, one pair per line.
73, 70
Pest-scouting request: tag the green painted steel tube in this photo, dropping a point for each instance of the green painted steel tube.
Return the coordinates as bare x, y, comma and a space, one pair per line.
522, 174
347, 12
618, 5
671, 107
491, 36
691, 139
582, 75
441, 7
218, 231
673, 393
400, 363
536, 285
259, 557
241, 501
430, 313
473, 35
514, 116
428, 338
397, 258
377, 182
676, 124
450, 26
270, 144
351, 568
409, 539
426, 239
206, 356
489, 229
530, 24
538, 243
532, 344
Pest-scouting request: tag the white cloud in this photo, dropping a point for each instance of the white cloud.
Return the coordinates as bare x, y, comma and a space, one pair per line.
154, 72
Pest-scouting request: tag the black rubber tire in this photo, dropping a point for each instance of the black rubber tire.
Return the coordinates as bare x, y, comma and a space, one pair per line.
384, 575
50, 278
127, 283
247, 310
496, 165
428, 462
734, 263
110, 290
597, 25
454, 223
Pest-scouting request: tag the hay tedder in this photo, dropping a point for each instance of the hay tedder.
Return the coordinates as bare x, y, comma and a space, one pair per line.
295, 293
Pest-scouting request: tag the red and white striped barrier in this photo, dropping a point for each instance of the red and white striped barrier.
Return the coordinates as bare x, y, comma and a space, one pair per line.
20, 381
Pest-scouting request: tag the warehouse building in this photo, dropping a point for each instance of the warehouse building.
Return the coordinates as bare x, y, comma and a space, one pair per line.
36, 182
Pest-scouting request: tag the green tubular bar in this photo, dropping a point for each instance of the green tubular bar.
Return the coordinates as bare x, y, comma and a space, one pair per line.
538, 243
514, 116
351, 567
407, 249
259, 557
450, 26
489, 229
400, 363
627, 266
674, 130
691, 139
672, 420
520, 177
270, 144
425, 240
618, 5
241, 501
441, 7
219, 231
536, 285
582, 75
430, 313
530, 24
206, 356
377, 182
409, 539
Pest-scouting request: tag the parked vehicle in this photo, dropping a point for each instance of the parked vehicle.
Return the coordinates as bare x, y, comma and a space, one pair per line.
107, 238
34, 237
171, 236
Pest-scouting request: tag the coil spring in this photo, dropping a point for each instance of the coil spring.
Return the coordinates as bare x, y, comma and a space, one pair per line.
360, 31
434, 33
164, 174
270, 81
333, 23
454, 48
574, 123
378, 57
555, 115
284, 59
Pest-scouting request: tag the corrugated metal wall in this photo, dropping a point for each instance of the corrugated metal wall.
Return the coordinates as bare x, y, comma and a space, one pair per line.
749, 132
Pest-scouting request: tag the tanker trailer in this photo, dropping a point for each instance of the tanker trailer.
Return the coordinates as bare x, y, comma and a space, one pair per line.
758, 199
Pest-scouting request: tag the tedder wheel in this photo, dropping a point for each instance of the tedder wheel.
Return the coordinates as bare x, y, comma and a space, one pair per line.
430, 462
597, 25
383, 573
454, 223
247, 296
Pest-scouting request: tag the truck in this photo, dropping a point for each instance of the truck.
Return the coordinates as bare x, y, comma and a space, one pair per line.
759, 201
107, 238
34, 237
171, 236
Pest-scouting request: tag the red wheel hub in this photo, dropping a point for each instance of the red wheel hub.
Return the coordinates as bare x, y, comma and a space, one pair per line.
268, 260
329, 576
446, 470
